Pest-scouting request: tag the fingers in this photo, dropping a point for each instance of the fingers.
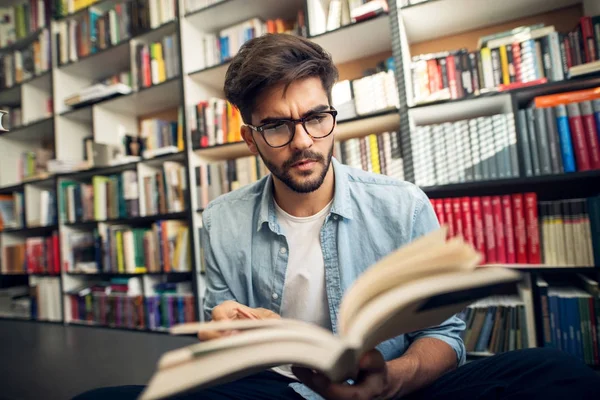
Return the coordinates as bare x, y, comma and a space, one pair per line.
371, 382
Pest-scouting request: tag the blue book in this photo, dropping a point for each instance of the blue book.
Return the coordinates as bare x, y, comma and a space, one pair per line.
596, 108
564, 137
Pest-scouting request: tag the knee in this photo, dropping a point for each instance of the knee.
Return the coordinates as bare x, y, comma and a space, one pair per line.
554, 359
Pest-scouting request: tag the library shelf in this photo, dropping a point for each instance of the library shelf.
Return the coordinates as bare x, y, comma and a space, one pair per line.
147, 100
23, 42
230, 12
580, 182
115, 58
445, 18
377, 122
11, 188
142, 220
35, 130
557, 269
527, 93
31, 231
13, 94
80, 114
102, 63
365, 38
213, 76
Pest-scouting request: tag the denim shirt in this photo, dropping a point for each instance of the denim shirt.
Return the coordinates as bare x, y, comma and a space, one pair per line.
246, 252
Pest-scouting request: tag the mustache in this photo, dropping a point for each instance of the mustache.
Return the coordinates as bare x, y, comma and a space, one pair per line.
303, 155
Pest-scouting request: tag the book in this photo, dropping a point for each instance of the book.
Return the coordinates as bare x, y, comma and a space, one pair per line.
417, 286
2, 114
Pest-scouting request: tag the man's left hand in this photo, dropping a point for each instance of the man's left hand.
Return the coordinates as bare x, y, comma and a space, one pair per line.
371, 382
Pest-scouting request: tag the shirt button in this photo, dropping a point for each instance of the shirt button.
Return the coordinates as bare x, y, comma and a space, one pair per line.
282, 250
275, 296
335, 217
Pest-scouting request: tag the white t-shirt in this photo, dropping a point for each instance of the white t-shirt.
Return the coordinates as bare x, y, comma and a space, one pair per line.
304, 294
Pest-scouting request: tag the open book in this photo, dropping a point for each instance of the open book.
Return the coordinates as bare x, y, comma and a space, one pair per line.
418, 286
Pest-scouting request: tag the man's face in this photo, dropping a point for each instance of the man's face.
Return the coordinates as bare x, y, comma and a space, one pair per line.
303, 163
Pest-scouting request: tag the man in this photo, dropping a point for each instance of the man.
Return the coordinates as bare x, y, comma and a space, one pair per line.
292, 243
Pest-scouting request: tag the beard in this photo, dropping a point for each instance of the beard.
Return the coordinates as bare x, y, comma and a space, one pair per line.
306, 185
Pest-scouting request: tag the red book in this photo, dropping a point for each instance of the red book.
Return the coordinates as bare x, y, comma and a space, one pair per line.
519, 228
516, 53
580, 149
590, 133
488, 227
499, 230
449, 217
452, 80
439, 210
457, 216
478, 231
509, 232
532, 228
56, 253
467, 220
589, 42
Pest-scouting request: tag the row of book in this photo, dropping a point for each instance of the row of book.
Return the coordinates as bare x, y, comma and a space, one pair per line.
113, 304
495, 325
569, 231
158, 134
215, 179
21, 19
571, 316
156, 62
39, 300
12, 210
21, 65
105, 197
378, 153
217, 48
482, 148
102, 27
325, 16
561, 133
34, 255
165, 190
517, 229
33, 163
213, 122
161, 247
528, 54
376, 91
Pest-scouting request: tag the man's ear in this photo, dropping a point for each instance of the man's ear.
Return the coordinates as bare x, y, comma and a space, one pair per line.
247, 136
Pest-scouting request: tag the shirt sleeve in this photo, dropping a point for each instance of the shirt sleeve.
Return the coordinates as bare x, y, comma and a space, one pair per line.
217, 290
449, 331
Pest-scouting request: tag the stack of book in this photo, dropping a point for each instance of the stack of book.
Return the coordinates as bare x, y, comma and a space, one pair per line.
482, 148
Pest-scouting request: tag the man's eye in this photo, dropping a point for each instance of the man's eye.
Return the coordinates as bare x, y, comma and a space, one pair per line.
274, 126
316, 118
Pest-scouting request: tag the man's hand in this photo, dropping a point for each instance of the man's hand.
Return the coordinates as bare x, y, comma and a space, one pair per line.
231, 310
371, 382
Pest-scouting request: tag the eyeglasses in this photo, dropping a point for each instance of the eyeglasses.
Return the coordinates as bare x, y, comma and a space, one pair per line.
281, 132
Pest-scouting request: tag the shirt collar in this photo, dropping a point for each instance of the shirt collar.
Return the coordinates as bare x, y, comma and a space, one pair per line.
341, 198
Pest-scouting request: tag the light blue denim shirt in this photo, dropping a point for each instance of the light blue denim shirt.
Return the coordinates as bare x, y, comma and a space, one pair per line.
371, 216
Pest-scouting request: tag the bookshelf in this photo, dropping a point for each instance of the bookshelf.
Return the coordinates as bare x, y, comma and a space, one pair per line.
428, 122
369, 53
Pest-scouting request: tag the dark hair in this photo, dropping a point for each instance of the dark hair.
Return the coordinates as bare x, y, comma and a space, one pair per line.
273, 59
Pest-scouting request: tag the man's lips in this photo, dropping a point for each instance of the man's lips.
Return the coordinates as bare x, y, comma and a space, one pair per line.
303, 162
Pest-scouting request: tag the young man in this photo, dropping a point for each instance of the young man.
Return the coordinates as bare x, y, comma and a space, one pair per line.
291, 244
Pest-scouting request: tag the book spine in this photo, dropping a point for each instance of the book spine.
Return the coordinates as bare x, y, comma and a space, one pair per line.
509, 231
499, 230
524, 141
564, 138
593, 205
478, 230
576, 123
543, 146
467, 216
488, 223
449, 217
552, 133
457, 216
532, 228
591, 133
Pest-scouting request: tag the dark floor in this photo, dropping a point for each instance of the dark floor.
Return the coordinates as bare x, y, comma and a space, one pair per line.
52, 361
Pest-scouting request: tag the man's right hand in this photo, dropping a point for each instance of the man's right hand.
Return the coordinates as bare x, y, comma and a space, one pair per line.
231, 310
